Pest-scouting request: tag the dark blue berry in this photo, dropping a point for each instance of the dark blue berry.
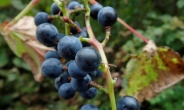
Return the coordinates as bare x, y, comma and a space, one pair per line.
68, 46
94, 9
47, 34
51, 68
55, 9
88, 59
73, 5
90, 93
63, 78
75, 72
66, 91
81, 85
41, 17
107, 16
88, 107
128, 103
52, 54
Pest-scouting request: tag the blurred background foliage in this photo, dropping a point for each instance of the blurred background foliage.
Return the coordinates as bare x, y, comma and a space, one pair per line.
159, 20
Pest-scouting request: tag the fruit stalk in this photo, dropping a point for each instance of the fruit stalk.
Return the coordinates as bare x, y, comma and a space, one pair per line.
61, 5
99, 47
133, 30
24, 12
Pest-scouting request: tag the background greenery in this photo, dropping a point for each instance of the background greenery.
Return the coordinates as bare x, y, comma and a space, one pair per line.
159, 20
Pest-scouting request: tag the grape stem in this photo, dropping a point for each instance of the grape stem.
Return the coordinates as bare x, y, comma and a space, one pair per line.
104, 66
77, 10
108, 33
71, 23
31, 4
133, 30
126, 25
61, 5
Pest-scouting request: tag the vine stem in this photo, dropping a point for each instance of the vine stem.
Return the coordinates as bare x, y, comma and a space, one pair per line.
105, 67
31, 4
61, 5
133, 30
126, 25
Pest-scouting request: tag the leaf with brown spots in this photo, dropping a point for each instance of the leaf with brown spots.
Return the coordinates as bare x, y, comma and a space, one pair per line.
21, 39
152, 71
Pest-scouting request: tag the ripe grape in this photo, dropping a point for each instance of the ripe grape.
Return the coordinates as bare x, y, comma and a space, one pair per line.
107, 16
128, 103
66, 91
47, 34
74, 4
41, 17
55, 9
68, 46
81, 85
90, 93
94, 9
51, 68
51, 54
75, 72
63, 78
87, 59
88, 107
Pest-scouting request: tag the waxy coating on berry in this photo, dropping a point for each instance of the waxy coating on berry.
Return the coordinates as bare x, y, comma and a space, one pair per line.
47, 34
94, 9
63, 78
41, 17
81, 85
68, 46
88, 59
51, 54
55, 9
75, 72
73, 5
66, 91
51, 67
90, 93
128, 103
107, 16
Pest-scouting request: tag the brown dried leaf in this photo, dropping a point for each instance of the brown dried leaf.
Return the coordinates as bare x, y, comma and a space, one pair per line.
149, 73
21, 39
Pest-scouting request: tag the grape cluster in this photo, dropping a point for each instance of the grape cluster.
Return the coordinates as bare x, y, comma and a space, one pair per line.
82, 59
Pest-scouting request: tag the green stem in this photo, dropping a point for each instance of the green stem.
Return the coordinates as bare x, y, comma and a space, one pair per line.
108, 33
24, 12
84, 39
61, 5
105, 67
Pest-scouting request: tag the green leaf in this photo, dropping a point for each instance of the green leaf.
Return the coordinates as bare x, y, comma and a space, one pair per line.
3, 58
5, 3
180, 4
